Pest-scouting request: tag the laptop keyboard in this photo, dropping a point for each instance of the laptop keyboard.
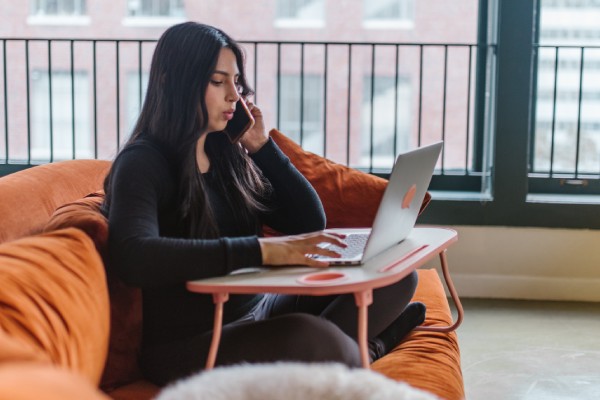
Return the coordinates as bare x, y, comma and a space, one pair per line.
356, 245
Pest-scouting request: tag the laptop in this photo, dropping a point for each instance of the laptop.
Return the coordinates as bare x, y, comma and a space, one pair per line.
398, 210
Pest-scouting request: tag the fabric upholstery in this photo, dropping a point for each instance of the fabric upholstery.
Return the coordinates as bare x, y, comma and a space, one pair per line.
30, 196
29, 199
350, 197
138, 390
420, 353
125, 302
54, 299
125, 335
28, 381
16, 349
84, 214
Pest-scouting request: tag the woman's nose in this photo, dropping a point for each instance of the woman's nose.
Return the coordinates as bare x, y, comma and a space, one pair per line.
233, 94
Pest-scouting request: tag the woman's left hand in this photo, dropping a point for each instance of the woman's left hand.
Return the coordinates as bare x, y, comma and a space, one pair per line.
257, 136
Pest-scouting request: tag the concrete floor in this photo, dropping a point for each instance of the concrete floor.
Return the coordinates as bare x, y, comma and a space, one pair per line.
530, 350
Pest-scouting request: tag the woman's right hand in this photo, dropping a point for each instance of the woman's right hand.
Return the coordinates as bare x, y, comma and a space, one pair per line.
296, 250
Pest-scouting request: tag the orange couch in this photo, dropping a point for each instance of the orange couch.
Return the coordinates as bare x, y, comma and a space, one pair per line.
75, 331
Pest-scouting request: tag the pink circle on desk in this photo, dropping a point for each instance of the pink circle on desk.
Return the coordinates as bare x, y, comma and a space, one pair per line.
321, 278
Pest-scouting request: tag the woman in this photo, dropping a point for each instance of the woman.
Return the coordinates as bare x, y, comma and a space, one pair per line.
184, 203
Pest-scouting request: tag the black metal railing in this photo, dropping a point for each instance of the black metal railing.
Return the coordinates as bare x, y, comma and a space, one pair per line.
356, 103
34, 70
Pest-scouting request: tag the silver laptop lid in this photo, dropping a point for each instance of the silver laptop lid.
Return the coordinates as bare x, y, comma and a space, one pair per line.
401, 201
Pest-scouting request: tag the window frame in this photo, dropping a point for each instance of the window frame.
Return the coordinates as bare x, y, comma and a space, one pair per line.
511, 202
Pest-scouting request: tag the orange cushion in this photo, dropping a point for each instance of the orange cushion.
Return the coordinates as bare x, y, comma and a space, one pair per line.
139, 390
14, 349
428, 360
27, 381
125, 335
30, 196
84, 214
54, 299
350, 197
125, 302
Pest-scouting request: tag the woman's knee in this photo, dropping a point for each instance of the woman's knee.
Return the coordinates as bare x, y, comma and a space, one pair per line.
411, 281
394, 298
319, 340
408, 285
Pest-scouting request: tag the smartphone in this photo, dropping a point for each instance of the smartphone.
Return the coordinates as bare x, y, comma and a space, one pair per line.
241, 122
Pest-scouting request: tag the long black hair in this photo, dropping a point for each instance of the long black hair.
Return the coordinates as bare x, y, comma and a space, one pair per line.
174, 115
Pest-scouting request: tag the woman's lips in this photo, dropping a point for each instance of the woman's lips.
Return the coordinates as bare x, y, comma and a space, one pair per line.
228, 115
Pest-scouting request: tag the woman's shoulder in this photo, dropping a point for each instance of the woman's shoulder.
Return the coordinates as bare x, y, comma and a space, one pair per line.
144, 158
143, 148
145, 152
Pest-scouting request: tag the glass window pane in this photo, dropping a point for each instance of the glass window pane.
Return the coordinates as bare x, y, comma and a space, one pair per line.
62, 116
155, 8
135, 96
300, 9
303, 116
389, 9
388, 136
58, 7
567, 112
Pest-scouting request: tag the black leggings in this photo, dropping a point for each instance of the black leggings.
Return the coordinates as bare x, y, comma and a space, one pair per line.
284, 328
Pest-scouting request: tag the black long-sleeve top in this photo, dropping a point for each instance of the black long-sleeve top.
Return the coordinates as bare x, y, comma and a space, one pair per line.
147, 250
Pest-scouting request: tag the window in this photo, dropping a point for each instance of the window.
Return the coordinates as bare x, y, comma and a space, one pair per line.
155, 8
571, 3
383, 137
302, 110
58, 7
389, 13
300, 13
520, 122
58, 12
159, 13
65, 135
135, 96
567, 120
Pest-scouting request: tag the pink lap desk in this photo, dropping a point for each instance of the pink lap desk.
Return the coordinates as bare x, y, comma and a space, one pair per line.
423, 244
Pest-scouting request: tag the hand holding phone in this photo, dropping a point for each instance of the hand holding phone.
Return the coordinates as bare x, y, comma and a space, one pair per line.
241, 122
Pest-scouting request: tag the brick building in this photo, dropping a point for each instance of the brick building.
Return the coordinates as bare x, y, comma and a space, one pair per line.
353, 103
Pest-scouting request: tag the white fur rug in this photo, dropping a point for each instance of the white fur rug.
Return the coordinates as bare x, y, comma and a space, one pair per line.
290, 381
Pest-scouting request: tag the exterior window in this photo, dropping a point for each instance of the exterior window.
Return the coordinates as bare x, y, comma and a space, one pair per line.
63, 137
135, 97
389, 13
571, 3
303, 124
382, 128
567, 121
58, 7
155, 8
300, 13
